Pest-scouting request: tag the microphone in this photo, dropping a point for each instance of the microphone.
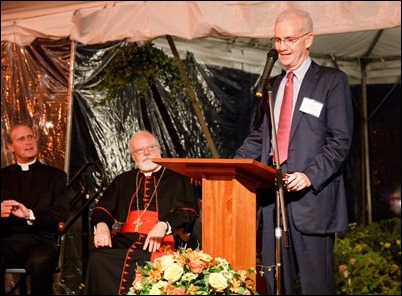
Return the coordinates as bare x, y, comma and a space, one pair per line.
272, 57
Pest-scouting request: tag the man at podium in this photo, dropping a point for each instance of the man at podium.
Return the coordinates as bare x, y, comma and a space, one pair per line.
317, 142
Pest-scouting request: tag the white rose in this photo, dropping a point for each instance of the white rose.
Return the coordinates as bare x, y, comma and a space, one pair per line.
164, 261
158, 288
217, 281
173, 273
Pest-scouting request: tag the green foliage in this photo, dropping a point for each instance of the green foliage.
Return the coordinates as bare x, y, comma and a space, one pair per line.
368, 259
139, 65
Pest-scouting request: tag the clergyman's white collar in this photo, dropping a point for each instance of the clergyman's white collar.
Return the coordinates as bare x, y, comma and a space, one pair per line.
25, 166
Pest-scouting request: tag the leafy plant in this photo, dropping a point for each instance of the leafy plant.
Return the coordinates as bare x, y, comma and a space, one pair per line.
368, 259
140, 65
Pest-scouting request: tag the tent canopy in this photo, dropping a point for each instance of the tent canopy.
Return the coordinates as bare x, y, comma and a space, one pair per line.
361, 38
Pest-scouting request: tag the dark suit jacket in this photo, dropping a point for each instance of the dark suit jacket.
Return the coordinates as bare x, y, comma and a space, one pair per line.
43, 189
317, 146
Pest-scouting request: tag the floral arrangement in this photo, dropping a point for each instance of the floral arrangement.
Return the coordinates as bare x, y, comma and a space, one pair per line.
191, 272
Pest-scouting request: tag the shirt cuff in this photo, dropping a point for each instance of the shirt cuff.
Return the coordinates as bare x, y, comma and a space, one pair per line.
31, 218
169, 228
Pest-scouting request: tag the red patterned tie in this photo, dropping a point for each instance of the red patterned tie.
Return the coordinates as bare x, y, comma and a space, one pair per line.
285, 119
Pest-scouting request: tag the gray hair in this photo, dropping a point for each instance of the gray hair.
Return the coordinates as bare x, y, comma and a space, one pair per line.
304, 16
138, 133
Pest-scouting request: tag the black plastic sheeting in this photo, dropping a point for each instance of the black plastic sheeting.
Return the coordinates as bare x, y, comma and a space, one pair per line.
102, 133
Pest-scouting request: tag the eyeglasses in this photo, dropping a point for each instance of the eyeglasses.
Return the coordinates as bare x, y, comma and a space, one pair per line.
150, 148
288, 41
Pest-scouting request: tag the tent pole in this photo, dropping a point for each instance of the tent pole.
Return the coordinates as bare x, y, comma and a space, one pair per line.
70, 110
192, 97
366, 154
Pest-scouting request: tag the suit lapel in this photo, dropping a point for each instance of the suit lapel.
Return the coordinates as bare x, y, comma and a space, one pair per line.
310, 79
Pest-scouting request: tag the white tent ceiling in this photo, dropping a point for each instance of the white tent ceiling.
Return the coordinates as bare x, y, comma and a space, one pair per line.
362, 38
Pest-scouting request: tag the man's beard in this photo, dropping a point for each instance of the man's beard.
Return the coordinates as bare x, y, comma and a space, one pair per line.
147, 165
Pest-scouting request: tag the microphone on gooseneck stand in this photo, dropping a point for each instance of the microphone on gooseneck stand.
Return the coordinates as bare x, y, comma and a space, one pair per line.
272, 57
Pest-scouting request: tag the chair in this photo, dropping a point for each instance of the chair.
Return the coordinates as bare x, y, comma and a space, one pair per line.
21, 282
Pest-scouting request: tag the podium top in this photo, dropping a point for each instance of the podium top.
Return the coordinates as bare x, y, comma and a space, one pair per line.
251, 171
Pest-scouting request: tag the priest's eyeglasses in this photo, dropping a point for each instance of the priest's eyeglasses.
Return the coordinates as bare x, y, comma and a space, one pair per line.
288, 41
150, 148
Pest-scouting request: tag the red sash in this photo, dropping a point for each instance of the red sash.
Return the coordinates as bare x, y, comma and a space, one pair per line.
148, 221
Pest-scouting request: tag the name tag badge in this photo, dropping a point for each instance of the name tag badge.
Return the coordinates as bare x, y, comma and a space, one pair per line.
311, 107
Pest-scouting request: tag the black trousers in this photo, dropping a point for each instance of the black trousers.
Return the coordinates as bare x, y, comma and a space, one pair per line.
39, 258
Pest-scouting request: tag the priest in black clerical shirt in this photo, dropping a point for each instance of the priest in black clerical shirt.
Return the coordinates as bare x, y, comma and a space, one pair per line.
34, 200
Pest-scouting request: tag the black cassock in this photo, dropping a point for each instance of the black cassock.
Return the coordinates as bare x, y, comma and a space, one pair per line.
175, 200
41, 188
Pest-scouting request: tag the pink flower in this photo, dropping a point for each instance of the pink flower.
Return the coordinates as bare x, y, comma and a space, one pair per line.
138, 277
179, 291
197, 266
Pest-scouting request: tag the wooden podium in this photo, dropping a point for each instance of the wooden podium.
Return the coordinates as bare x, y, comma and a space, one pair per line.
228, 203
